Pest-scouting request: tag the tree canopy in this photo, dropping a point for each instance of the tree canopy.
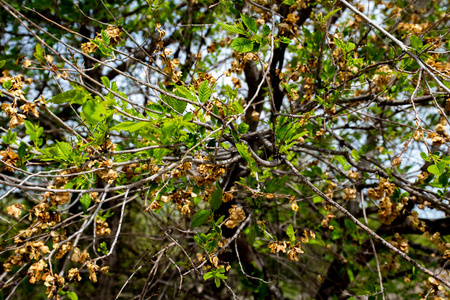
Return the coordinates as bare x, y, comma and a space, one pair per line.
232, 149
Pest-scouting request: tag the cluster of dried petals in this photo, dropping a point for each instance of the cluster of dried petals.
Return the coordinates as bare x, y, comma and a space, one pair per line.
115, 34
208, 174
74, 274
36, 271
64, 179
94, 197
29, 232
400, 243
308, 89
418, 134
63, 250
57, 237
78, 256
15, 210
325, 222
292, 18
305, 238
227, 197
384, 189
435, 285
11, 111
436, 139
180, 171
56, 198
102, 227
294, 252
241, 59
30, 107
53, 283
276, 247
441, 127
155, 205
44, 215
352, 174
10, 158
107, 173
441, 66
31, 250
17, 83
185, 209
382, 76
88, 47
93, 268
330, 190
237, 215
236, 82
202, 77
391, 265
387, 211
416, 222
13, 260
436, 239
413, 28
130, 170
349, 194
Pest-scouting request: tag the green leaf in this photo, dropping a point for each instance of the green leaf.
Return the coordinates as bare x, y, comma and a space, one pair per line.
22, 151
433, 169
94, 112
216, 198
85, 201
130, 126
64, 97
7, 84
250, 23
79, 98
233, 28
416, 43
285, 40
39, 54
64, 150
208, 275
330, 14
114, 87
243, 151
266, 30
176, 104
242, 45
106, 82
291, 233
289, 2
217, 281
204, 93
317, 199
200, 218
251, 236
349, 47
351, 276
424, 156
2, 63
184, 92
29, 128
71, 295
105, 38
339, 44
10, 137
243, 128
